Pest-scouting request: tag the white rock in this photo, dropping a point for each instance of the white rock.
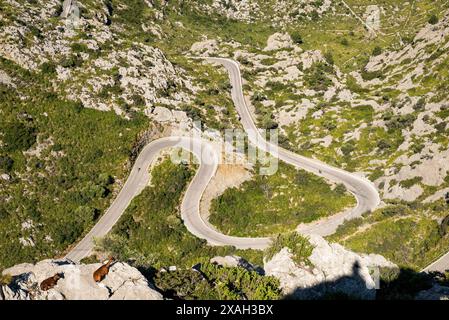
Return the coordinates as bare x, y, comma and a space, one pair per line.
6, 79
162, 114
334, 269
205, 47
122, 282
232, 261
279, 41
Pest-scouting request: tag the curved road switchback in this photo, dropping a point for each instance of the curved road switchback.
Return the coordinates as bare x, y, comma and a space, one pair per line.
138, 180
365, 193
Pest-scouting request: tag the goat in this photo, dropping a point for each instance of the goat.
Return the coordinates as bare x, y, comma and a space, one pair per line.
51, 282
101, 272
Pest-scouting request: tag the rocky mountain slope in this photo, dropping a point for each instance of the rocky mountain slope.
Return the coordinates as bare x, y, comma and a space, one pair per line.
362, 87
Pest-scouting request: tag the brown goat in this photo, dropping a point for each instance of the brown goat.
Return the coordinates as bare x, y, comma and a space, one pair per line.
101, 272
51, 282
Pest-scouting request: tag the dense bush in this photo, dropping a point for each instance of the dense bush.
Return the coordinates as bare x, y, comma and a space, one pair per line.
420, 104
377, 51
296, 37
18, 136
210, 281
348, 148
329, 58
6, 163
344, 42
368, 76
48, 68
400, 121
299, 246
317, 77
73, 61
433, 19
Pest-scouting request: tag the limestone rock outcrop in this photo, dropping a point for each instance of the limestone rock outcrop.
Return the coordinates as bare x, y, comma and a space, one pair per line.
332, 270
122, 283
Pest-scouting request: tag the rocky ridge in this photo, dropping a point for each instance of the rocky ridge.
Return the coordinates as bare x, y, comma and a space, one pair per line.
122, 283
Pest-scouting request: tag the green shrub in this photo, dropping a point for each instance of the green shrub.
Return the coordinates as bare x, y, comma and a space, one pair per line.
377, 51
73, 61
344, 42
340, 189
184, 284
48, 68
368, 76
296, 37
317, 78
18, 136
410, 182
348, 226
348, 148
6, 163
5, 279
400, 121
433, 19
3, 213
383, 144
329, 58
79, 47
420, 105
218, 283
299, 246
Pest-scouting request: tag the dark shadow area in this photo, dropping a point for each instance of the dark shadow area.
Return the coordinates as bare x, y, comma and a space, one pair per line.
403, 284
395, 284
351, 287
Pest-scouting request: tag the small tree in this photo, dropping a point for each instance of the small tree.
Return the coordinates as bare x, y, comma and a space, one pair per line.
18, 136
377, 51
6, 163
344, 42
433, 19
296, 37
329, 58
298, 245
340, 189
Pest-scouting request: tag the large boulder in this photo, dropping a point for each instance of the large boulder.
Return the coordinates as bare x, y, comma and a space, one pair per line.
279, 41
123, 282
332, 270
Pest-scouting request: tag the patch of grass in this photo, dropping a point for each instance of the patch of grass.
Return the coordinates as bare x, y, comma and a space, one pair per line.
410, 182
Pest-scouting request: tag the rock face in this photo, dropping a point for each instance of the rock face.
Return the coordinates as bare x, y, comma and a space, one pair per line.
278, 41
122, 283
333, 270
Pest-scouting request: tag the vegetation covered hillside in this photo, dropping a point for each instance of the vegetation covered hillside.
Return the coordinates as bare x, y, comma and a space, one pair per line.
360, 85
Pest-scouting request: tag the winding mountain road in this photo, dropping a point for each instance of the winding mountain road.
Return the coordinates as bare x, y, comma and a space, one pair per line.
365, 193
